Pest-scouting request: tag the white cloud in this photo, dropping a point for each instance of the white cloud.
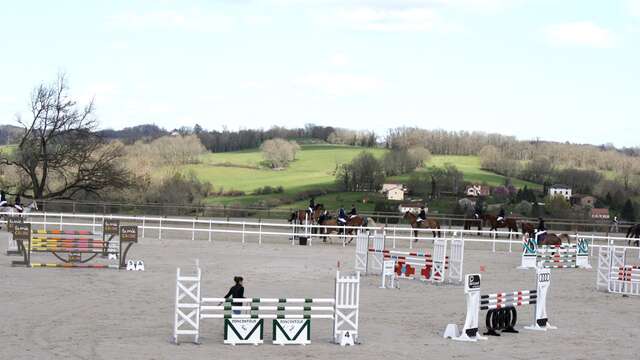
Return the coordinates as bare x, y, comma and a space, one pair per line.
634, 7
582, 33
102, 92
191, 21
7, 99
251, 84
339, 59
381, 19
340, 84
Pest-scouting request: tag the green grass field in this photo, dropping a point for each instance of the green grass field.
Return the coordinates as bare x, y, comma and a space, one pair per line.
314, 168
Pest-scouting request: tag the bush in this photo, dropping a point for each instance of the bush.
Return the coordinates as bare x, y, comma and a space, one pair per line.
363, 173
266, 190
278, 153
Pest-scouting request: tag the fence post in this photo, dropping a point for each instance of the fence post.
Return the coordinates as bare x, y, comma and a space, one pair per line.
510, 239
193, 230
60, 221
143, 225
494, 241
394, 237
260, 232
160, 230
45, 221
210, 232
243, 232
93, 225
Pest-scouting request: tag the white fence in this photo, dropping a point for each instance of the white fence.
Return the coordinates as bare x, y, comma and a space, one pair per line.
207, 229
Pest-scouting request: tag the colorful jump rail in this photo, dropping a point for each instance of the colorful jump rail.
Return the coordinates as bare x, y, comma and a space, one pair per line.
554, 256
74, 248
435, 267
614, 274
501, 308
244, 318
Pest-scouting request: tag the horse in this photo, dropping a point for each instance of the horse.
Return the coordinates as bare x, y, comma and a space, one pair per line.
10, 211
473, 222
554, 239
432, 224
633, 233
495, 224
299, 216
528, 228
327, 220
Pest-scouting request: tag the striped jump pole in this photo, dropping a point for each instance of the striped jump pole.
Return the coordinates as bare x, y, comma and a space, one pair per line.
501, 308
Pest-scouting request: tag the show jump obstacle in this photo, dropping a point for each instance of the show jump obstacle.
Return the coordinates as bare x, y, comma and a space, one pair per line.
501, 314
614, 274
435, 267
555, 256
74, 248
12, 248
244, 318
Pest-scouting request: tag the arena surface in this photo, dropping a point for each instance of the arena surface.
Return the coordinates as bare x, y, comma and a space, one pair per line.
108, 314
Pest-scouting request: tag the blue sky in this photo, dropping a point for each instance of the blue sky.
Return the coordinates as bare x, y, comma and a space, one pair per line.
563, 70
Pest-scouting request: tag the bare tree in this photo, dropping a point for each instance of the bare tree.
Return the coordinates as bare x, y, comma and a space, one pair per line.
59, 152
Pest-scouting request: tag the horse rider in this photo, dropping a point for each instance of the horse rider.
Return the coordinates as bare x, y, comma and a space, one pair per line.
614, 224
18, 203
541, 229
353, 213
501, 215
3, 199
312, 206
477, 210
422, 216
342, 217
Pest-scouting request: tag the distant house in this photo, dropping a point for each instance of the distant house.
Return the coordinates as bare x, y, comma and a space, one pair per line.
393, 191
477, 190
560, 190
413, 207
600, 213
583, 200
395, 194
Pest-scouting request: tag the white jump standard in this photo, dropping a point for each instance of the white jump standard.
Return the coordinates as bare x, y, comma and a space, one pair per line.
501, 308
291, 316
436, 267
555, 256
614, 274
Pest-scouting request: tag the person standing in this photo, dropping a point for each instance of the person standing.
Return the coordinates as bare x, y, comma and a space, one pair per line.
236, 292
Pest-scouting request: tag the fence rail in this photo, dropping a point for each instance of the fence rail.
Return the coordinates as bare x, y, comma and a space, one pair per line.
206, 229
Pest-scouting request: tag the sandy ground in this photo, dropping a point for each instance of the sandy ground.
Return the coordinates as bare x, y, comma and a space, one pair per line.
107, 314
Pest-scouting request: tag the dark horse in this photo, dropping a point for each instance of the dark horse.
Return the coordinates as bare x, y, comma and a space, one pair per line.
326, 219
528, 228
299, 216
495, 224
633, 233
432, 224
473, 222
555, 239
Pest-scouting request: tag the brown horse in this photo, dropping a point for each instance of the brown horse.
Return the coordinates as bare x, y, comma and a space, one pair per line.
473, 222
495, 224
432, 224
554, 239
327, 220
528, 228
633, 233
299, 216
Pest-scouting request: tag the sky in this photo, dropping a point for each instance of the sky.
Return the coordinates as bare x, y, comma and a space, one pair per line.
563, 70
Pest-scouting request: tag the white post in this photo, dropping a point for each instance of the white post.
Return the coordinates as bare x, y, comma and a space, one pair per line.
143, 225
243, 233
510, 239
210, 232
93, 224
592, 240
45, 221
394, 237
160, 230
60, 221
260, 233
193, 230
494, 241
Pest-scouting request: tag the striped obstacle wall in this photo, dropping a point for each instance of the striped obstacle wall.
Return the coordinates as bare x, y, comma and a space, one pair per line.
436, 267
501, 308
74, 248
614, 274
555, 256
244, 318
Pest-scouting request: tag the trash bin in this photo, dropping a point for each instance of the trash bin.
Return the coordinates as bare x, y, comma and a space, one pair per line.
302, 240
